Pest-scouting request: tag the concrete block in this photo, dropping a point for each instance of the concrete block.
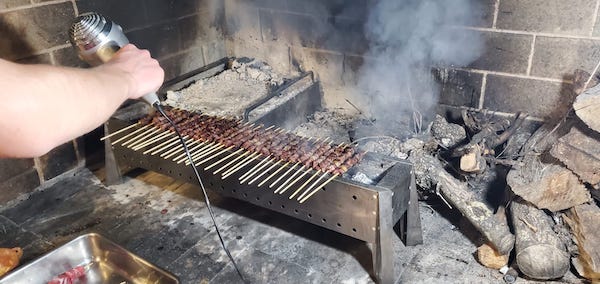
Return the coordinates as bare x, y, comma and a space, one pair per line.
275, 54
356, 9
21, 184
182, 63
161, 40
214, 51
197, 30
58, 160
459, 88
559, 57
536, 97
8, 4
12, 167
550, 16
158, 10
28, 31
331, 33
68, 57
242, 20
43, 58
504, 53
328, 66
128, 14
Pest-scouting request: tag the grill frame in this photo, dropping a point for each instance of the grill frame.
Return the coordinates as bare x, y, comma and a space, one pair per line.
363, 212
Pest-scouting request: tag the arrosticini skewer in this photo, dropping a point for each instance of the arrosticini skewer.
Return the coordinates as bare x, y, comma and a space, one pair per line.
118, 131
317, 188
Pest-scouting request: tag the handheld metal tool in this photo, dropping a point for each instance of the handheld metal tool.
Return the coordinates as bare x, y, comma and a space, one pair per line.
97, 39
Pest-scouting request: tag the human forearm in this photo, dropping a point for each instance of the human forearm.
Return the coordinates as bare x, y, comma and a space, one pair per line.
45, 106
53, 105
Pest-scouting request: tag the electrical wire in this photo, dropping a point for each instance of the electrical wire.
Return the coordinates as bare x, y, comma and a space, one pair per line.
210, 211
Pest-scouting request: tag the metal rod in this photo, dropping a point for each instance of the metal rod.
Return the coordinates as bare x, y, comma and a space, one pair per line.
273, 174
305, 183
230, 162
319, 187
264, 172
237, 168
289, 179
295, 181
118, 131
312, 185
224, 159
285, 174
264, 162
160, 147
130, 134
215, 155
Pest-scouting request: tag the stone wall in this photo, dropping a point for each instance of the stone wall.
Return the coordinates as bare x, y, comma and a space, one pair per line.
532, 47
182, 34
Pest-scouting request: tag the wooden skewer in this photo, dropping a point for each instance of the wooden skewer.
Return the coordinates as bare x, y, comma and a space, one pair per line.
294, 182
177, 149
273, 174
224, 159
264, 172
319, 187
158, 148
219, 147
259, 166
130, 134
239, 167
231, 162
144, 139
312, 186
215, 155
201, 151
118, 131
153, 140
192, 151
305, 183
285, 174
280, 188
140, 137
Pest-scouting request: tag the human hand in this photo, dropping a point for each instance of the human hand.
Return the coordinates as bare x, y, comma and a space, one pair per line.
142, 72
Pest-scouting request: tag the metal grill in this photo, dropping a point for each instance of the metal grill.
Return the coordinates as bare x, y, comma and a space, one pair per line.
329, 200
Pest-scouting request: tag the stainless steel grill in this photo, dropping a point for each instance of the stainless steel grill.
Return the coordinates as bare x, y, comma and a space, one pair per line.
332, 201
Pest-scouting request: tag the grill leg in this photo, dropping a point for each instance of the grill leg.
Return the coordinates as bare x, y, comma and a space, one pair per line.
113, 173
414, 233
382, 249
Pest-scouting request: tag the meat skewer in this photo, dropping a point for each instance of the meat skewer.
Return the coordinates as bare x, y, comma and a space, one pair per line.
130, 134
157, 148
224, 159
319, 187
304, 184
240, 165
119, 131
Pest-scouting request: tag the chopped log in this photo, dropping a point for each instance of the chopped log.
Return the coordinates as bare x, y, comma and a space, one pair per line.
9, 259
429, 171
585, 225
547, 186
540, 254
587, 107
579, 150
489, 257
473, 161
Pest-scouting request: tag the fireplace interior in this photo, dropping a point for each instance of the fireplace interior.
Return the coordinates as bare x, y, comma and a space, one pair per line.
338, 141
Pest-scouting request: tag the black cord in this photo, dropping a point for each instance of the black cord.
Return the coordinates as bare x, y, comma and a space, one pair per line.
210, 211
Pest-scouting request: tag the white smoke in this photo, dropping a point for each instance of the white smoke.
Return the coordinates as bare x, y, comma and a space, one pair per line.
406, 39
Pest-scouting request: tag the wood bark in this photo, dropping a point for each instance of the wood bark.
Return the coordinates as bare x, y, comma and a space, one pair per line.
579, 150
540, 254
584, 221
587, 107
493, 227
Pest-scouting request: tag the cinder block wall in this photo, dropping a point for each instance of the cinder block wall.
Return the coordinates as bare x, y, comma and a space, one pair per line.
532, 48
182, 34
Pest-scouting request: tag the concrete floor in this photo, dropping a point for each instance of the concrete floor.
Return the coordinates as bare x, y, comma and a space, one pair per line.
167, 223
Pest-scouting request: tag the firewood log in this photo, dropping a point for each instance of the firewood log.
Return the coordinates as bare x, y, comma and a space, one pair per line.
540, 254
584, 221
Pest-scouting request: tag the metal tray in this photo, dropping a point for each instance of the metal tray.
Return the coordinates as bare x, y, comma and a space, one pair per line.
106, 262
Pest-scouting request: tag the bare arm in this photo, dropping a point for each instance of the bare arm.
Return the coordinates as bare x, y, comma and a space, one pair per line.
44, 106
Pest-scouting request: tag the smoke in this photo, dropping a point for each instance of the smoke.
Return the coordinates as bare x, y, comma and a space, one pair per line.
406, 39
